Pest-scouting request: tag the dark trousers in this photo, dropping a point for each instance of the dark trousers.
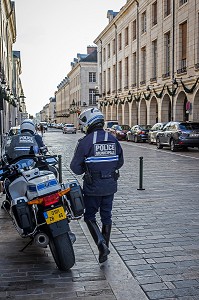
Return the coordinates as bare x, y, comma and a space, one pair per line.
103, 204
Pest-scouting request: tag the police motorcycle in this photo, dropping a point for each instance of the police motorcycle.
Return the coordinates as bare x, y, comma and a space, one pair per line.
41, 207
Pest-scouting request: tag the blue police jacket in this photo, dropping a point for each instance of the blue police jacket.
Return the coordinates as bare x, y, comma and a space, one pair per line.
21, 145
100, 155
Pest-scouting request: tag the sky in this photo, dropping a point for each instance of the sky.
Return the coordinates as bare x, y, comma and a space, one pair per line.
50, 33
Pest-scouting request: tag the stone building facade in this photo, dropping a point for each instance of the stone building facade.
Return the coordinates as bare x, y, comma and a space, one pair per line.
77, 90
12, 104
148, 62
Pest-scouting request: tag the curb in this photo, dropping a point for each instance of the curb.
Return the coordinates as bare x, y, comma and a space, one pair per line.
120, 279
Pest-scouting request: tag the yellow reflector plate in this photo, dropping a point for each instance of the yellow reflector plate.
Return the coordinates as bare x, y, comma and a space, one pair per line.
55, 215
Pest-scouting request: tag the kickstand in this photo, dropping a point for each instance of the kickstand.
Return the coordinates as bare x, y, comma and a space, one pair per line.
29, 243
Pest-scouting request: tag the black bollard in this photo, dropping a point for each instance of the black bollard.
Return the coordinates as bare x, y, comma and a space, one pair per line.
60, 168
141, 175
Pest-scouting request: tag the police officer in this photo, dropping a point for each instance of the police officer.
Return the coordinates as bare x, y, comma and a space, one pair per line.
98, 156
27, 142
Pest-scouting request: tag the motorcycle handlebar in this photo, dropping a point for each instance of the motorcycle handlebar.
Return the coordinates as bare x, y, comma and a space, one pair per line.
10, 169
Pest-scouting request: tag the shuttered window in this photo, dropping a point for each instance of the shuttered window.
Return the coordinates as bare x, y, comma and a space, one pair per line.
134, 69
126, 72
134, 30
154, 13
120, 75
167, 7
184, 40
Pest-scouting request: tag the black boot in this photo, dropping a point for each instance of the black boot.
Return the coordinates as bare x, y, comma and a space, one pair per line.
72, 236
99, 240
106, 231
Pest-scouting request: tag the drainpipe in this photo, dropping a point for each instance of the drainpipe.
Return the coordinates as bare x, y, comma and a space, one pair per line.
138, 56
138, 44
100, 79
116, 69
173, 56
115, 57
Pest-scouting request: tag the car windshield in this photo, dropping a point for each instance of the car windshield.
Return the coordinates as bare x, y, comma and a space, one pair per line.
189, 126
110, 124
69, 125
125, 127
118, 127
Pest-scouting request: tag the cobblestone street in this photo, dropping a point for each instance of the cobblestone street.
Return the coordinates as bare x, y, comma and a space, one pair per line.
154, 241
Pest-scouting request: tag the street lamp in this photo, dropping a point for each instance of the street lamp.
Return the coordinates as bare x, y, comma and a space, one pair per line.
116, 102
22, 97
129, 97
73, 103
2, 97
174, 88
2, 93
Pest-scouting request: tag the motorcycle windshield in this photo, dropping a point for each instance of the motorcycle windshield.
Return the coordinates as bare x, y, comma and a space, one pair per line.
26, 163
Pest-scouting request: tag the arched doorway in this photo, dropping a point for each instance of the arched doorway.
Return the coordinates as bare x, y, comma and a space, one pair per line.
114, 112
105, 111
102, 108
108, 112
134, 113
126, 113
180, 108
166, 109
195, 107
143, 112
120, 113
153, 111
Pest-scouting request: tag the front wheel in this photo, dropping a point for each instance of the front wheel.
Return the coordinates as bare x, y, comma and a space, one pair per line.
159, 146
172, 145
62, 251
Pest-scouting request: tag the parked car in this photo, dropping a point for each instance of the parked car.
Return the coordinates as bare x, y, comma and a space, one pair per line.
109, 124
119, 131
14, 131
178, 135
153, 132
6, 140
138, 133
69, 128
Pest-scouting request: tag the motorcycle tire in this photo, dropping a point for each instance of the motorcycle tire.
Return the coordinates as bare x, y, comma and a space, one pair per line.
62, 251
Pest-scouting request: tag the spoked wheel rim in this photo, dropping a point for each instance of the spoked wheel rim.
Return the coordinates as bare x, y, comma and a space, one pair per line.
172, 145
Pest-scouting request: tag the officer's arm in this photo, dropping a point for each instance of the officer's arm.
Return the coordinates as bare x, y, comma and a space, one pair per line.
39, 140
121, 158
42, 147
77, 163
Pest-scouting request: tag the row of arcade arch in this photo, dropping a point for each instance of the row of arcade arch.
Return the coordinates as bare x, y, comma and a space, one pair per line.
149, 112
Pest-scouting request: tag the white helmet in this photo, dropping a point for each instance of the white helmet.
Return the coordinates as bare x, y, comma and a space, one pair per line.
91, 117
27, 125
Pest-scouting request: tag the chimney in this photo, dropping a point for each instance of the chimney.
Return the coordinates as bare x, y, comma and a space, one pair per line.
90, 49
111, 14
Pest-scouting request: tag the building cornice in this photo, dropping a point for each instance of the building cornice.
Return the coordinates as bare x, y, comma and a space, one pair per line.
10, 17
115, 19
